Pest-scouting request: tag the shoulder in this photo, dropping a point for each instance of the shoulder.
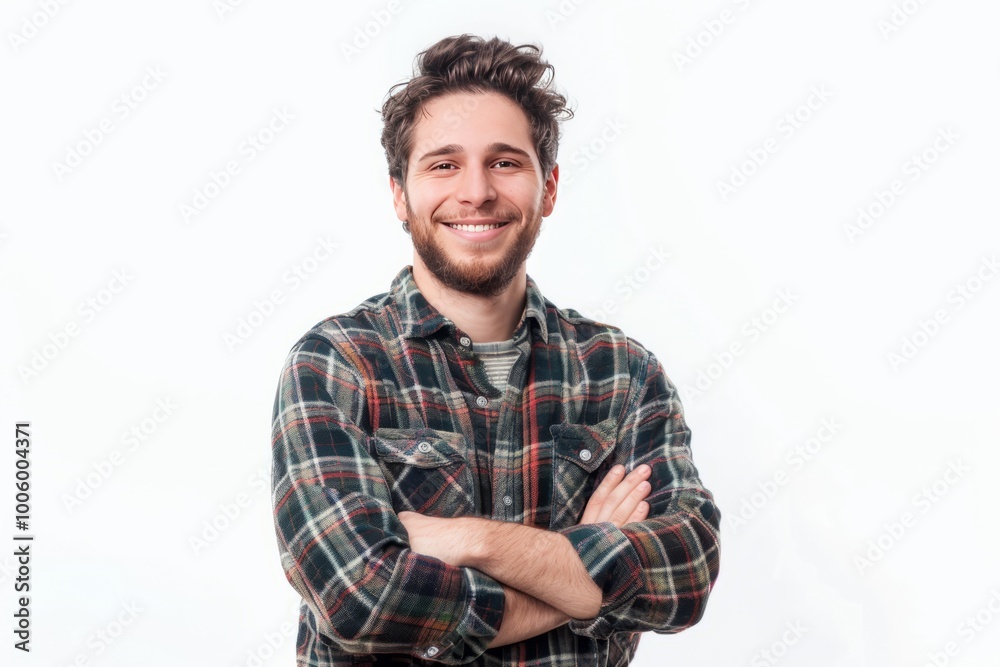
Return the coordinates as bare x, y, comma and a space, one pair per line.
592, 334
367, 322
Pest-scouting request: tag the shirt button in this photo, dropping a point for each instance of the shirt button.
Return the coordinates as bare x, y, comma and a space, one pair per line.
482, 401
464, 340
424, 447
585, 454
431, 652
508, 501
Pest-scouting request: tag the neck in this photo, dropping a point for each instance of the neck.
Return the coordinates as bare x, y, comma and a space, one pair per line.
484, 319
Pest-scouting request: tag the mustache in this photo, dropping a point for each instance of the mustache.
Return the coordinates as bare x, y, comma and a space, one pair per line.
503, 216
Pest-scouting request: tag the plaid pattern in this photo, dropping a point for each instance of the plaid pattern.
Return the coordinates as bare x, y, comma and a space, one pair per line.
386, 408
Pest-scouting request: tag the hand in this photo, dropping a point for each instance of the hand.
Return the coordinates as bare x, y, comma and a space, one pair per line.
438, 537
619, 497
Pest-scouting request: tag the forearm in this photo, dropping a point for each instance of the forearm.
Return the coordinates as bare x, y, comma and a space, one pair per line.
541, 563
340, 543
525, 617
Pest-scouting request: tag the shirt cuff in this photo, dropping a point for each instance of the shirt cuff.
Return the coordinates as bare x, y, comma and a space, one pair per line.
478, 627
613, 564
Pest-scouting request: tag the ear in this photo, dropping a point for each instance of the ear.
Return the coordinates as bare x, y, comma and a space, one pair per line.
551, 188
398, 198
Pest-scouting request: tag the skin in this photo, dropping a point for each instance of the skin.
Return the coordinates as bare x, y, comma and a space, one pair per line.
480, 286
545, 583
478, 166
618, 499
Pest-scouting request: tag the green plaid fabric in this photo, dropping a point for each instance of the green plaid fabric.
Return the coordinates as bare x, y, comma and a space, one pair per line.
386, 408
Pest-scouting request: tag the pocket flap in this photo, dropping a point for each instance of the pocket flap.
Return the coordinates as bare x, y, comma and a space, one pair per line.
420, 447
586, 445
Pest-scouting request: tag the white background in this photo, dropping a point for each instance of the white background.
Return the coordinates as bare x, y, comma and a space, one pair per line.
844, 545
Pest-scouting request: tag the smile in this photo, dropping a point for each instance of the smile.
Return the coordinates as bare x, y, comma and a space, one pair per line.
476, 228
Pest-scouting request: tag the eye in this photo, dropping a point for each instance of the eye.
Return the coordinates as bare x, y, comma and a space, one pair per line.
508, 162
443, 164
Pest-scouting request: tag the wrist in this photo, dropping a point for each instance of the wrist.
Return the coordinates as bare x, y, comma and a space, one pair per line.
476, 545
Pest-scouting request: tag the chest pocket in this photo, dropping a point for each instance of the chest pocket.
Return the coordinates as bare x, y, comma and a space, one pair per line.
578, 450
427, 471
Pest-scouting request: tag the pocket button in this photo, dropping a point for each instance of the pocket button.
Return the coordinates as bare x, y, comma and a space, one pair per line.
424, 447
585, 454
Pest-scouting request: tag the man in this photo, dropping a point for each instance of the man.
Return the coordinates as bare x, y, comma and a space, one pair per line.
464, 473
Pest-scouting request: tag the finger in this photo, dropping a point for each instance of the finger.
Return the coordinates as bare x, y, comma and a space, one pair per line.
630, 503
640, 513
627, 486
600, 495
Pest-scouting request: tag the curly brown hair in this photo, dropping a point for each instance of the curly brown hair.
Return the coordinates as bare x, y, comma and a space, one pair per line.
467, 63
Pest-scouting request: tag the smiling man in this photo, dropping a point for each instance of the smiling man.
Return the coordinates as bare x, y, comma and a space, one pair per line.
463, 472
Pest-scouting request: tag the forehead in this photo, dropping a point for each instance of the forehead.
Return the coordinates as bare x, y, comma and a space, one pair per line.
471, 120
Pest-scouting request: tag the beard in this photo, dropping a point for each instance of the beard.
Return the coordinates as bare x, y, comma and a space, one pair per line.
477, 275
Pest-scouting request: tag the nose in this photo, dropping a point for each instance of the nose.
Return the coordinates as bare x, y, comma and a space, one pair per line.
475, 186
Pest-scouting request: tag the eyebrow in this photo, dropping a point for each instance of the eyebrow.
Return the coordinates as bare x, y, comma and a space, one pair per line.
495, 147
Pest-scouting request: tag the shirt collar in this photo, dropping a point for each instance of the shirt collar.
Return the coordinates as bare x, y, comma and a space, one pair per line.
418, 318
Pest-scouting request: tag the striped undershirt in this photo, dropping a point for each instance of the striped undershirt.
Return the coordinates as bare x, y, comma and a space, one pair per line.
498, 357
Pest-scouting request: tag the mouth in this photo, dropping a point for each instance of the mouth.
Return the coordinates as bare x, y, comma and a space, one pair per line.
476, 227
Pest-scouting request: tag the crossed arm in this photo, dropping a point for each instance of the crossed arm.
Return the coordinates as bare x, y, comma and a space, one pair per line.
545, 583
364, 570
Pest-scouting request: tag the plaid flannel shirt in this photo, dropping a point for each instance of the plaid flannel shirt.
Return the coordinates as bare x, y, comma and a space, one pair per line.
386, 408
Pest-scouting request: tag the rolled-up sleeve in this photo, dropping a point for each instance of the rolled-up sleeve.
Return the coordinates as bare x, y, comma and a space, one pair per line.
654, 574
341, 544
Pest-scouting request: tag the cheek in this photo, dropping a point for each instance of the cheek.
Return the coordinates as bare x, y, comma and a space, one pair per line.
428, 198
525, 194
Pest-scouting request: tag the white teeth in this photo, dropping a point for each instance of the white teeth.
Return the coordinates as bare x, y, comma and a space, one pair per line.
475, 228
